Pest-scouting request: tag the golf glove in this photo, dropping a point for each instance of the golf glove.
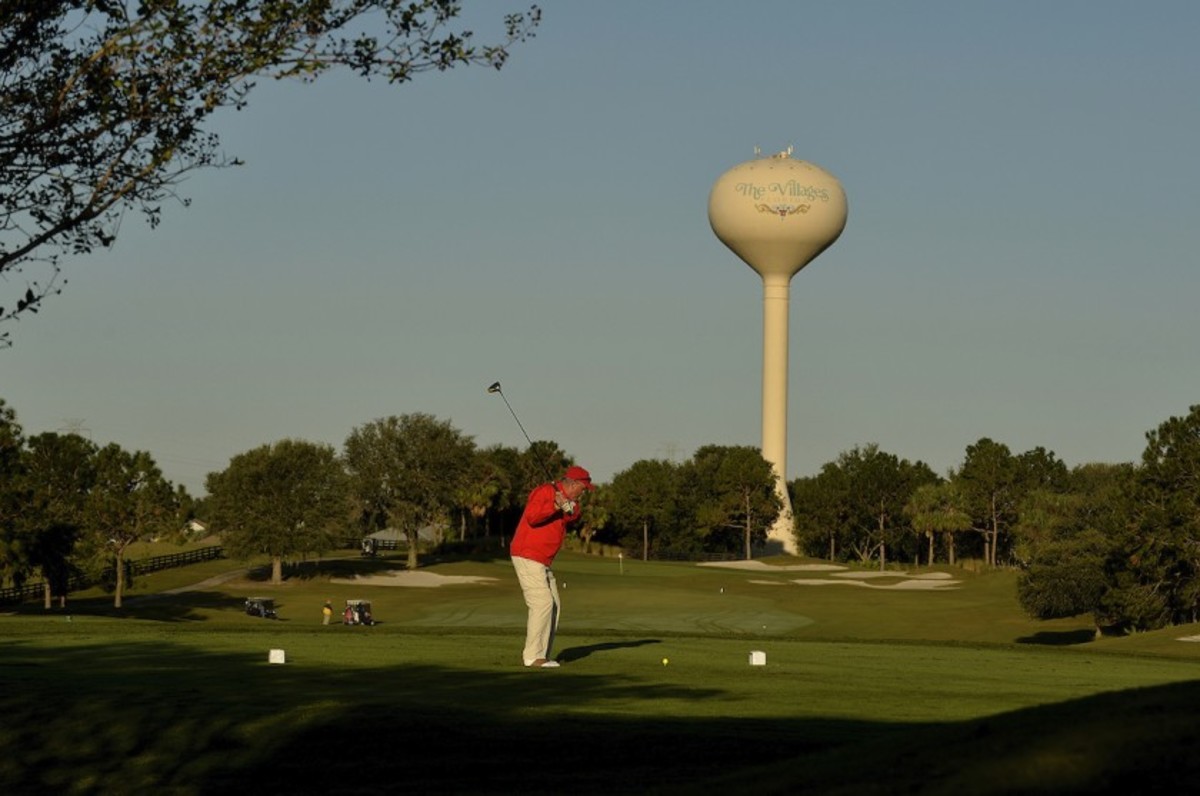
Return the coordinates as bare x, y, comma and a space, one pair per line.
567, 506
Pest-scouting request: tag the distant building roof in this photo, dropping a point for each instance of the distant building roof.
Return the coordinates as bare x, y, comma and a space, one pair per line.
428, 533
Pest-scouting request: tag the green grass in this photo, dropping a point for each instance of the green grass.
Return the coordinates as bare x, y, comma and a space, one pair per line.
864, 691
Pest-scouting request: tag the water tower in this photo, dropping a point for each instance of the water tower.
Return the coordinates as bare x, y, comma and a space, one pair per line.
777, 214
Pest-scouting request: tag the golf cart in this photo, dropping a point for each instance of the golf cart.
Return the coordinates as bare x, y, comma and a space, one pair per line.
261, 606
358, 612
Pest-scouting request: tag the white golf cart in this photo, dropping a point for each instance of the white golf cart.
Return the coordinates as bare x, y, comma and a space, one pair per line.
358, 612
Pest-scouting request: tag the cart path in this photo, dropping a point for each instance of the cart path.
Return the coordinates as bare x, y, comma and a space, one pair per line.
213, 581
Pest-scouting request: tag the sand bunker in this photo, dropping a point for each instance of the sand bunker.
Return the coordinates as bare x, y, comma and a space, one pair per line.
904, 585
872, 575
925, 581
763, 567
411, 579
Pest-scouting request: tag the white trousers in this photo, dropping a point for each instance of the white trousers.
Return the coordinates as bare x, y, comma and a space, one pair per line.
541, 597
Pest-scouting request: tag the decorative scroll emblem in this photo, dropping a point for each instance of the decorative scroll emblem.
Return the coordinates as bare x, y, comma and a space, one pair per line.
783, 211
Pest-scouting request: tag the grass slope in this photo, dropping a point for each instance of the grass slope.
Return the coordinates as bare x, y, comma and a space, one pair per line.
864, 691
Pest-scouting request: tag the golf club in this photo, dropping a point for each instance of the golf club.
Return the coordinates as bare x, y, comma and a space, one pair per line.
495, 388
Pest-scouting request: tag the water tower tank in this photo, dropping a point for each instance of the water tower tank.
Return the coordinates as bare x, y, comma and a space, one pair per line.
777, 213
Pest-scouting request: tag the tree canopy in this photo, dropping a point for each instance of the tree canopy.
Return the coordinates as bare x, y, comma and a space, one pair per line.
106, 105
938, 507
408, 472
288, 498
720, 502
60, 473
14, 559
644, 499
129, 501
859, 501
1154, 566
994, 482
731, 489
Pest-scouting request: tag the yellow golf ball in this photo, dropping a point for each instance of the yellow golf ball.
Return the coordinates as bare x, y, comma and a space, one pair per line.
666, 661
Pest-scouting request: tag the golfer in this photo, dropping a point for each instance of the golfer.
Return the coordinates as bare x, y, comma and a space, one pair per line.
540, 533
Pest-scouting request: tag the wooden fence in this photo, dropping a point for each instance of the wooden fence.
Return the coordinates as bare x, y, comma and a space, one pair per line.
139, 567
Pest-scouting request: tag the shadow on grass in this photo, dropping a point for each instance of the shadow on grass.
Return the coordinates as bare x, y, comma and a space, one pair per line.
578, 653
1063, 638
1142, 740
153, 717
158, 718
184, 607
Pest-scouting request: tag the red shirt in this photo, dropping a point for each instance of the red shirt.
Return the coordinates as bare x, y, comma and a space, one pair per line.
542, 528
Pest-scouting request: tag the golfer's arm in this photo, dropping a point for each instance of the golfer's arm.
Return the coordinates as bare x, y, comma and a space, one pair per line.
541, 509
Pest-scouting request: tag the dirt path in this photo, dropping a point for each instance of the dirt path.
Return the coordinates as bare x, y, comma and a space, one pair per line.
216, 580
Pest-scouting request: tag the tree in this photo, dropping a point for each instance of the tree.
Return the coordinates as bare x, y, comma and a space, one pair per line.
1041, 469
43, 483
130, 500
283, 499
594, 517
988, 479
994, 482
60, 473
731, 488
821, 508
407, 472
938, 508
1061, 556
15, 561
642, 498
481, 492
1107, 490
105, 104
1154, 569
504, 469
878, 486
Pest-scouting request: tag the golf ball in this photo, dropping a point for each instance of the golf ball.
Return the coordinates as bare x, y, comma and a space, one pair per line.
666, 661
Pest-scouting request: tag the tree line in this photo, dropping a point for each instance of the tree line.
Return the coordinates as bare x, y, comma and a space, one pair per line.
1118, 541
70, 509
69, 506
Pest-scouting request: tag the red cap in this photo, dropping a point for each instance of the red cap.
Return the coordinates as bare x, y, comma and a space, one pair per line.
581, 475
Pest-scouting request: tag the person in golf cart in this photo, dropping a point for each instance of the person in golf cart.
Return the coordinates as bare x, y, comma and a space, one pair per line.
358, 612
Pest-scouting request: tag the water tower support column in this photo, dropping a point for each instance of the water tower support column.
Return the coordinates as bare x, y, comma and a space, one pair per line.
774, 399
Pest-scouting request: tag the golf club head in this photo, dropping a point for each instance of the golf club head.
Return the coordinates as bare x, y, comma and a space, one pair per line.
495, 387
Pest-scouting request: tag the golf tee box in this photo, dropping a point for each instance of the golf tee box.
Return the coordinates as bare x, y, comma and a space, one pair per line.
275, 656
758, 658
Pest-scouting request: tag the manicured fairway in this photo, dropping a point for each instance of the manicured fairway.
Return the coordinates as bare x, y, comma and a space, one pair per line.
862, 691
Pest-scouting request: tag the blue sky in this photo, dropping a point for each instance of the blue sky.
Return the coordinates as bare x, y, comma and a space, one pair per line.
1019, 261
